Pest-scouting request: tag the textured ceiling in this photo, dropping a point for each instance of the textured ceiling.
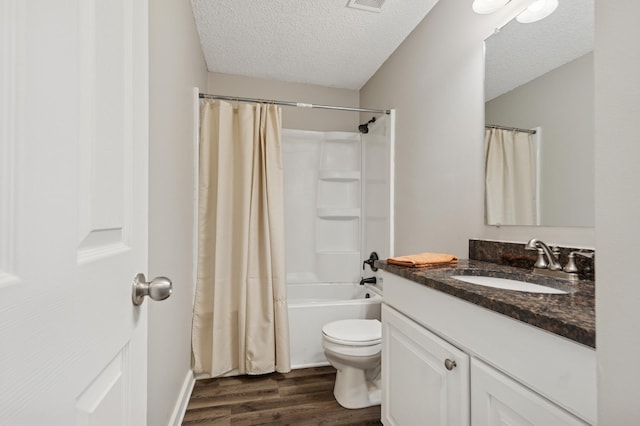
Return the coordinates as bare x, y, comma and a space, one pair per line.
307, 41
521, 52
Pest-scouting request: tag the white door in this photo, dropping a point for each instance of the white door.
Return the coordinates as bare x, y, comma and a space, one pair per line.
73, 211
425, 380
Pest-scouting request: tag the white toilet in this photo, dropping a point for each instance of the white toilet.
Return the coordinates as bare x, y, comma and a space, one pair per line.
353, 347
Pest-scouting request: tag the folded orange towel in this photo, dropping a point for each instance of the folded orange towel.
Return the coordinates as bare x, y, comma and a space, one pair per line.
423, 259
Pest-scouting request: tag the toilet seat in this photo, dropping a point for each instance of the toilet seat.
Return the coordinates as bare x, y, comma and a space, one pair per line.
353, 332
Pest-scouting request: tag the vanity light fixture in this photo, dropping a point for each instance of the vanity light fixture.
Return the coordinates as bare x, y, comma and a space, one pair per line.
538, 10
484, 7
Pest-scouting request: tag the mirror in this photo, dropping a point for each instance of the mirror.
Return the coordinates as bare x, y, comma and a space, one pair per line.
540, 76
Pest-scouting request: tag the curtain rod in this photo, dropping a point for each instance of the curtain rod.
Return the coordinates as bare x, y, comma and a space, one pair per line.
293, 104
495, 126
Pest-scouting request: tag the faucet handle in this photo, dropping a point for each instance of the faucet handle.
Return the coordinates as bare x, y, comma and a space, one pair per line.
587, 254
541, 261
372, 258
571, 264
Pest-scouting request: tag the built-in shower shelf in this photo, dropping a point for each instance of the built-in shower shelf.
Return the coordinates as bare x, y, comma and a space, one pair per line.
339, 175
337, 213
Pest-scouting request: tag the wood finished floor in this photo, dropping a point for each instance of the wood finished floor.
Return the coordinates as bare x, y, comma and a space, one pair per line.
301, 397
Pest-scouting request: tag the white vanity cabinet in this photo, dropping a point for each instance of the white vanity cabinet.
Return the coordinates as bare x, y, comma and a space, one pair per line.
498, 400
506, 372
425, 379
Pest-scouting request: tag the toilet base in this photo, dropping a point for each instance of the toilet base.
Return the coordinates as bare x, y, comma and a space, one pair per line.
358, 378
357, 388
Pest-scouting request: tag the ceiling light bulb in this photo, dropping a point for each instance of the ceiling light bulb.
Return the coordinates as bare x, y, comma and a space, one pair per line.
536, 6
538, 10
488, 6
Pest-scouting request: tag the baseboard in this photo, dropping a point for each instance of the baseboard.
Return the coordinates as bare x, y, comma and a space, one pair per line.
181, 406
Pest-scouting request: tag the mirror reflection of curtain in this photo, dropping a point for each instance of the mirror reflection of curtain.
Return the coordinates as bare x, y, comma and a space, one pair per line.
240, 314
510, 177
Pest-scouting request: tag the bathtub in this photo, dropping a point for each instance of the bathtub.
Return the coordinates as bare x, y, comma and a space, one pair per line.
311, 306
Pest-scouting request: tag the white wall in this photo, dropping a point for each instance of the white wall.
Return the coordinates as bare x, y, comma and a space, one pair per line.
176, 65
617, 94
435, 80
294, 118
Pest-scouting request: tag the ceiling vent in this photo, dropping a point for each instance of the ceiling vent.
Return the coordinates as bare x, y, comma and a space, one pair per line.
370, 5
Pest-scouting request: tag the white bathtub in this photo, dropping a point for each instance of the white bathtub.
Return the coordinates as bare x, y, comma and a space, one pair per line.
311, 306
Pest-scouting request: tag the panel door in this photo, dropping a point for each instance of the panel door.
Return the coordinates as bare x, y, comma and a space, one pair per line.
497, 400
425, 380
73, 211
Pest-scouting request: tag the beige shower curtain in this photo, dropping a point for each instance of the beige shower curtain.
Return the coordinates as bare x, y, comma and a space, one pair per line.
240, 313
510, 178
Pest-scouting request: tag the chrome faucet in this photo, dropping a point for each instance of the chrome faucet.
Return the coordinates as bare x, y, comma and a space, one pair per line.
552, 262
551, 265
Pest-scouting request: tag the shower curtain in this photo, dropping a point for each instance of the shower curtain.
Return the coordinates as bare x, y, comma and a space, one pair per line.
240, 313
510, 178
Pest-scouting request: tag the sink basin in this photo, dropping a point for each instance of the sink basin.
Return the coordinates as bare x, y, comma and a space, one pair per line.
508, 284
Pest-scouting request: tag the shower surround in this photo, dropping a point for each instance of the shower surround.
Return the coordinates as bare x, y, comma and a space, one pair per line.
337, 198
322, 205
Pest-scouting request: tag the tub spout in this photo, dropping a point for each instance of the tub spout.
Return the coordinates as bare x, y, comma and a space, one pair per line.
370, 280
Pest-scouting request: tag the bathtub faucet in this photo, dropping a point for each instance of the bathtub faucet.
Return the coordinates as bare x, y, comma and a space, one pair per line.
370, 280
371, 261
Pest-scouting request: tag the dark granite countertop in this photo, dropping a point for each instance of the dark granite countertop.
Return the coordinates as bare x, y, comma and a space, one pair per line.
569, 315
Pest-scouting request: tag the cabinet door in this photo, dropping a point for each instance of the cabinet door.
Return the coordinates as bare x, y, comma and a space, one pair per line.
497, 400
425, 380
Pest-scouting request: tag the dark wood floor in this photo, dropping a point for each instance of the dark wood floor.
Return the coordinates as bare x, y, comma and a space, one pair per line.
301, 397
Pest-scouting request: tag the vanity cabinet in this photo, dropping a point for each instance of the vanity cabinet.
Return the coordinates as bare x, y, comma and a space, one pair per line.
498, 400
425, 379
506, 371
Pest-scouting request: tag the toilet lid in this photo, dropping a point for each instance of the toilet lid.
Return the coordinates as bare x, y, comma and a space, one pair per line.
354, 331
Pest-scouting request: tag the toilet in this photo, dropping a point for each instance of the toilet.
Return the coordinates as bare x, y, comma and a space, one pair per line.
353, 347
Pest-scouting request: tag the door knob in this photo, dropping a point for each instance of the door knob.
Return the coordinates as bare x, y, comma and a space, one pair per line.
158, 288
449, 364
